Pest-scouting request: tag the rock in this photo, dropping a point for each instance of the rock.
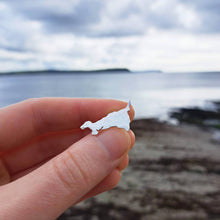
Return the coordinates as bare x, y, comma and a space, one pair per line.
174, 173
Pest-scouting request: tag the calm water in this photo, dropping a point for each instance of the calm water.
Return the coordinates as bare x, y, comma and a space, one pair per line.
151, 94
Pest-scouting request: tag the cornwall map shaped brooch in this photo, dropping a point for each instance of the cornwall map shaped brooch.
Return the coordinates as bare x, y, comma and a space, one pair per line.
118, 119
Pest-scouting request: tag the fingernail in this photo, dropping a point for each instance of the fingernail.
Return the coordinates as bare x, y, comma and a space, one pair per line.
115, 141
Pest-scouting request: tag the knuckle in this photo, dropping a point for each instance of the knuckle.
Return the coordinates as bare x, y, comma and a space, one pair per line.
72, 171
31, 101
38, 118
4, 173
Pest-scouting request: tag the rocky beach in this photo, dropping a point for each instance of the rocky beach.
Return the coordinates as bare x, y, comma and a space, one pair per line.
174, 173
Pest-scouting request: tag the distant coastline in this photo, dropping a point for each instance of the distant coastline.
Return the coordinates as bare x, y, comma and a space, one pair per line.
51, 71
96, 71
54, 71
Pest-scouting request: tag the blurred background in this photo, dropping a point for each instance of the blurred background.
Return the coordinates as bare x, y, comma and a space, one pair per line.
164, 56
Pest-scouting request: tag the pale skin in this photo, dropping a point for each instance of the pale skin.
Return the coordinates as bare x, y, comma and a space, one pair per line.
47, 163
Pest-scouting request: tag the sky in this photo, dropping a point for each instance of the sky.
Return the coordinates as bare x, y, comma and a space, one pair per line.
169, 35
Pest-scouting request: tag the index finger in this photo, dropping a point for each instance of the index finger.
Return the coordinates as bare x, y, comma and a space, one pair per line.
25, 120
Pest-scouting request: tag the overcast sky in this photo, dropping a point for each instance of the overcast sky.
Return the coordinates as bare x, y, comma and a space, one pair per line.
171, 35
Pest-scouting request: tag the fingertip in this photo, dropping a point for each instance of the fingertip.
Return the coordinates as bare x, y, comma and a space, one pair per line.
113, 179
131, 113
116, 142
132, 138
124, 163
110, 181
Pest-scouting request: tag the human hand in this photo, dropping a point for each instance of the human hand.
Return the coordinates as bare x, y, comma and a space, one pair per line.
47, 163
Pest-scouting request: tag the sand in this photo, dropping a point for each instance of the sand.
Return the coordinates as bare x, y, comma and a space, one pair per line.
174, 173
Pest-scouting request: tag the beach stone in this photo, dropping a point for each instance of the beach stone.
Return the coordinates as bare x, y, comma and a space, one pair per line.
174, 173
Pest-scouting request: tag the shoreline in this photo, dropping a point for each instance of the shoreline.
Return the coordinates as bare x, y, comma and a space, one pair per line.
174, 173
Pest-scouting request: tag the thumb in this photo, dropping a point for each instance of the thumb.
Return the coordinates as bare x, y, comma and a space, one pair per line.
48, 191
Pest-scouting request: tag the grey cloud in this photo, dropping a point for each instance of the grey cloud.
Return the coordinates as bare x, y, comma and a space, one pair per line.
13, 48
166, 17
211, 5
92, 18
209, 11
76, 19
13, 37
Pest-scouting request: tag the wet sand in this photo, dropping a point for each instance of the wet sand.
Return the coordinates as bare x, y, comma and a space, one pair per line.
174, 173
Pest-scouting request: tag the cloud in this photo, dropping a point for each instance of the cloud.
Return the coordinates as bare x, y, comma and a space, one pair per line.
60, 17
120, 18
208, 12
15, 31
141, 34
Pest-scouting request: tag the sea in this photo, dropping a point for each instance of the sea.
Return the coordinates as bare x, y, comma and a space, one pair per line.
151, 94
